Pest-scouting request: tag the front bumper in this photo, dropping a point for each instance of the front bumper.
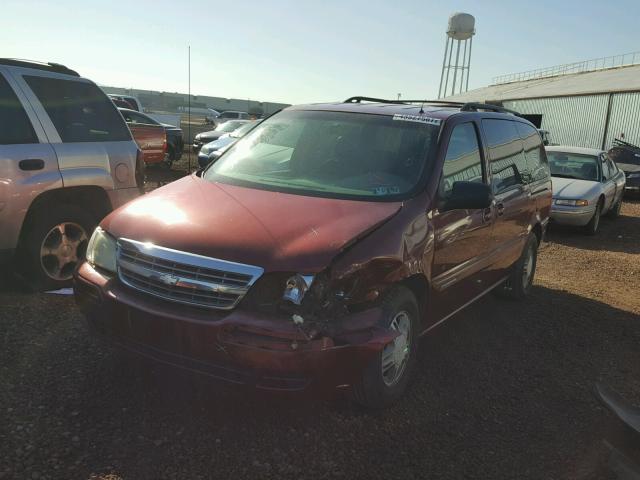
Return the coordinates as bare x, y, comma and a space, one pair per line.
203, 159
573, 216
238, 347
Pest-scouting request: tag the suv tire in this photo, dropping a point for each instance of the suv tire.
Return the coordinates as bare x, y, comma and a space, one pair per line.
386, 378
54, 244
520, 281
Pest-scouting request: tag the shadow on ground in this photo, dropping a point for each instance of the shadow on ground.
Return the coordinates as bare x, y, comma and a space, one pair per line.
503, 390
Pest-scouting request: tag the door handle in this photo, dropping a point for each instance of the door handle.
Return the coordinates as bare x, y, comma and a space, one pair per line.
500, 209
31, 164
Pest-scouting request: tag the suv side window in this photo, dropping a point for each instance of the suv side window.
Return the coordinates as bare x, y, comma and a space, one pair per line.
508, 164
80, 111
536, 159
15, 126
463, 161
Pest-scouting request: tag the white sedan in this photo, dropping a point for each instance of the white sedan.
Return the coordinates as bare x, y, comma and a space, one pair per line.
586, 185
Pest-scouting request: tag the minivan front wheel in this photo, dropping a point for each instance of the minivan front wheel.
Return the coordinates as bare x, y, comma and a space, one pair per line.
385, 379
55, 244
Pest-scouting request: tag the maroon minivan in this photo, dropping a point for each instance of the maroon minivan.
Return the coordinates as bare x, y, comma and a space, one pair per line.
319, 248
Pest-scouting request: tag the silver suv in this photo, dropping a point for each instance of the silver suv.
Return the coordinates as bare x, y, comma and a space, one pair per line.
67, 159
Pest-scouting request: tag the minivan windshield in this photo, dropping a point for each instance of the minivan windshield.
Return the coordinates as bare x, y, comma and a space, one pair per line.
332, 154
571, 165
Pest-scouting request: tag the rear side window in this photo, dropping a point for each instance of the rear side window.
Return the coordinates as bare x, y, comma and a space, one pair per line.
508, 164
463, 161
80, 111
15, 126
537, 165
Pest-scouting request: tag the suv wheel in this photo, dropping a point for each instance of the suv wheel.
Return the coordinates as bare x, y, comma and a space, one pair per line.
591, 228
519, 283
387, 376
55, 244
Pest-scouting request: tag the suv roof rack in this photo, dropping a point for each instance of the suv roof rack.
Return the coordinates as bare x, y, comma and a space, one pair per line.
48, 66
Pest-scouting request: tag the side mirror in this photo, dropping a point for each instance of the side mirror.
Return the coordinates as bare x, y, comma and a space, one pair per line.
468, 196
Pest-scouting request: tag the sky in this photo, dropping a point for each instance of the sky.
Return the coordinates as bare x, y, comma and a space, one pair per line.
298, 51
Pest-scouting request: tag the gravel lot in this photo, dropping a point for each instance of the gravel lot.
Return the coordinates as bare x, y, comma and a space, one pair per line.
504, 390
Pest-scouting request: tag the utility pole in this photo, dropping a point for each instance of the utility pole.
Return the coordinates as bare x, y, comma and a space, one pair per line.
189, 105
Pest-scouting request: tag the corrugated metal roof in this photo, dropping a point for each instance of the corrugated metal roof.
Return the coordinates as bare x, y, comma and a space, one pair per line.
621, 79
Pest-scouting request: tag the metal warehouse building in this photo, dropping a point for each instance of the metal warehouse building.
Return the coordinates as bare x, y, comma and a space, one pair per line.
586, 104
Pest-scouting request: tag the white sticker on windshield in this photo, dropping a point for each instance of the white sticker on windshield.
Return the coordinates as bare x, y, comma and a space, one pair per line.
386, 190
417, 118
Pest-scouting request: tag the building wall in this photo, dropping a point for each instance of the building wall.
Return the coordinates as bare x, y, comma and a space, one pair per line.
578, 121
581, 120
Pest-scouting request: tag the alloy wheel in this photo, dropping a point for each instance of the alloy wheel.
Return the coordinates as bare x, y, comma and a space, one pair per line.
62, 249
396, 354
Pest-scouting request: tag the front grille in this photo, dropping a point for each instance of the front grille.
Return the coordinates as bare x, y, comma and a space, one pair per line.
184, 277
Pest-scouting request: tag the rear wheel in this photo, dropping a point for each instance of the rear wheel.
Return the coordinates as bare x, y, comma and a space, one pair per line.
520, 282
387, 376
591, 228
55, 243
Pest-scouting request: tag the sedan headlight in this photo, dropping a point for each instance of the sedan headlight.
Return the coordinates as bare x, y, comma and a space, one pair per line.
101, 250
634, 175
572, 203
296, 287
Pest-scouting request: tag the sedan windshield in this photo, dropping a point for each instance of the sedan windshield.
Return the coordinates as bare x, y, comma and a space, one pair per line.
229, 126
572, 165
332, 154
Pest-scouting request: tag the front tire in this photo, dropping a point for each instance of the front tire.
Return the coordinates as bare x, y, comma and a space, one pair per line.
591, 228
386, 378
520, 281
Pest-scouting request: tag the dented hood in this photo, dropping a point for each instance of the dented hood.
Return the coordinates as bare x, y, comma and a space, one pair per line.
276, 231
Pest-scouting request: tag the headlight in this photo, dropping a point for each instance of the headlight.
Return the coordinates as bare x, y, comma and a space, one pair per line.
101, 250
296, 287
634, 175
572, 203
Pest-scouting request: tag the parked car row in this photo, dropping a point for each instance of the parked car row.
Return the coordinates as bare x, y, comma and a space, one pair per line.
211, 151
222, 129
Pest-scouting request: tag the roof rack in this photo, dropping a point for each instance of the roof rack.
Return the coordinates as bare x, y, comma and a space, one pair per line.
401, 102
475, 106
48, 66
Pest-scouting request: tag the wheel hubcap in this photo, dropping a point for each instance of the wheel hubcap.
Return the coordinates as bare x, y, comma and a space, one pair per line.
396, 353
61, 250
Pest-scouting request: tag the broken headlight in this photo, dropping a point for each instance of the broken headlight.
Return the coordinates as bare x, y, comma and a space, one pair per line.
296, 288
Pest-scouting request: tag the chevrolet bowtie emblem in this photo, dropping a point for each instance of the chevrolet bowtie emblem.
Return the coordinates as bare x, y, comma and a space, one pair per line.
167, 279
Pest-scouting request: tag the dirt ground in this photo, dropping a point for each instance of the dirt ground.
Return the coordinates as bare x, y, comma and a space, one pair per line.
504, 390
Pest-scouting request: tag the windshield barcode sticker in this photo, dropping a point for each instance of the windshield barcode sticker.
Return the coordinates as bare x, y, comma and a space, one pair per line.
417, 118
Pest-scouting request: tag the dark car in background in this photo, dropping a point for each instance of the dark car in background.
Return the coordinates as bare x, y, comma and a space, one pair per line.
627, 157
318, 249
214, 149
174, 139
126, 101
211, 135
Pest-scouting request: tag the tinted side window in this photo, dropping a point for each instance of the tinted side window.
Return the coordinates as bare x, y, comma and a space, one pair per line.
80, 111
607, 170
15, 126
508, 165
537, 165
463, 161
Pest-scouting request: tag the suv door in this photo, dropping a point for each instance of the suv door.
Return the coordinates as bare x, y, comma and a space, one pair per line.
28, 164
461, 236
510, 178
84, 127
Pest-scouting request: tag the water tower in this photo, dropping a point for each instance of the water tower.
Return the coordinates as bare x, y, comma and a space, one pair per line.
459, 34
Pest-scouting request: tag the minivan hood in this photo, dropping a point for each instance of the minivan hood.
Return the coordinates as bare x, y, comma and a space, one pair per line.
571, 188
276, 231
